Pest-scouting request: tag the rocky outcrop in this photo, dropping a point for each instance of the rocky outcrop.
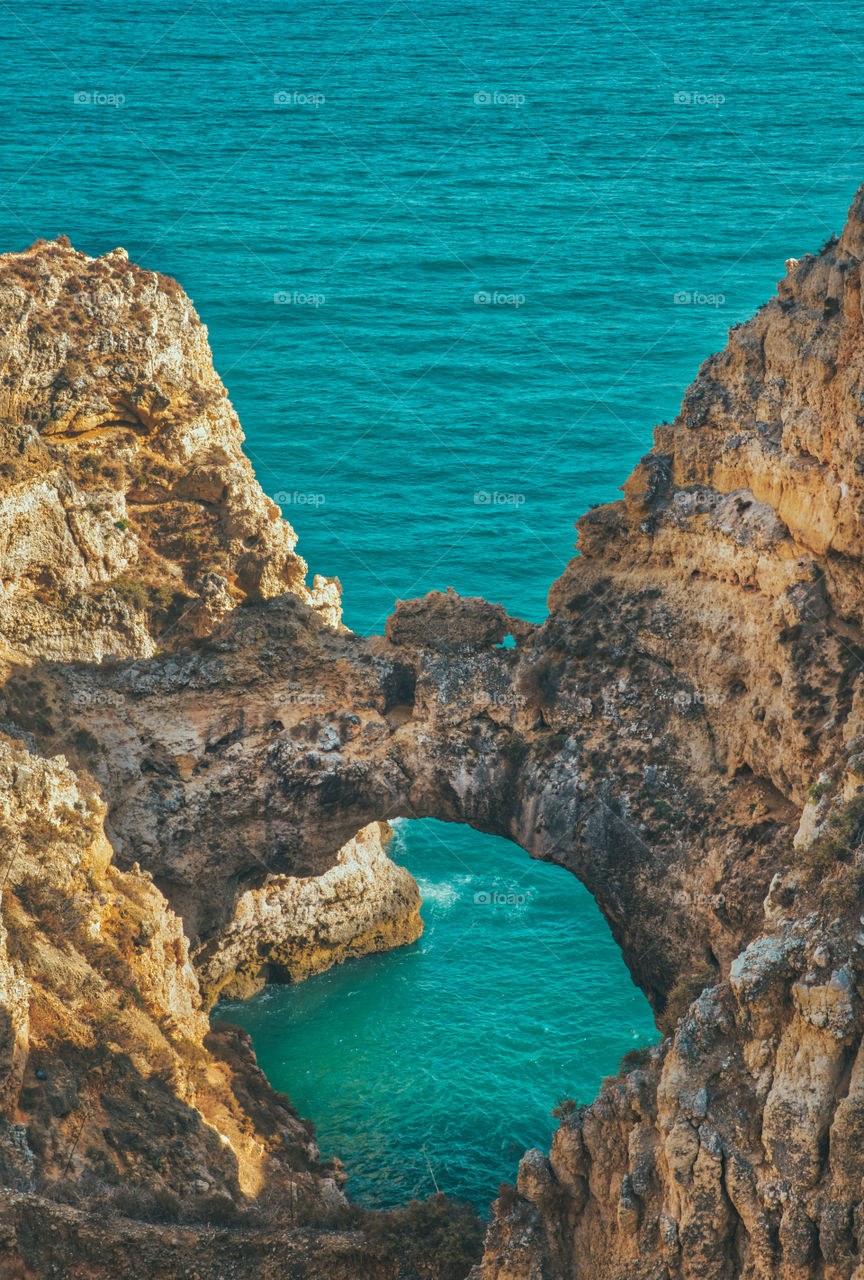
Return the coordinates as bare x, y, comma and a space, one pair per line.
685, 732
103, 1025
135, 1140
127, 500
734, 1148
131, 524
447, 622
291, 928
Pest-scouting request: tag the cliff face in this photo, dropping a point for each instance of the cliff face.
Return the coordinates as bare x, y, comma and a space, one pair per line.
684, 732
121, 452
109, 1095
130, 523
735, 1147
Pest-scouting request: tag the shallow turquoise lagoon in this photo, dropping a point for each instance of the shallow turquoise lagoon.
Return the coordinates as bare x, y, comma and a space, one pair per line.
440, 1063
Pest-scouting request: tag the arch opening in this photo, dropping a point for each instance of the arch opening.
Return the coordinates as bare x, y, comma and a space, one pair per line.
437, 1064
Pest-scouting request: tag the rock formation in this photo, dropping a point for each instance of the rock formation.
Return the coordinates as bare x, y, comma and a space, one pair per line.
125, 1120
291, 928
197, 733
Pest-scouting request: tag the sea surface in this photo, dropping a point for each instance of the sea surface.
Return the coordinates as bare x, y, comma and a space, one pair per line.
456, 260
438, 1065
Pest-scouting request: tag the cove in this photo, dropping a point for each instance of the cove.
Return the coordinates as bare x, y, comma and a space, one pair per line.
440, 1063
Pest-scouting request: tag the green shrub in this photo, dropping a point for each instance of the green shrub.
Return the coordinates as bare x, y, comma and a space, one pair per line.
565, 1107
635, 1058
131, 592
111, 471
437, 1238
539, 683
508, 1198
842, 835
85, 741
20, 940
846, 892
161, 598
141, 1203
144, 597
10, 469
815, 863
682, 995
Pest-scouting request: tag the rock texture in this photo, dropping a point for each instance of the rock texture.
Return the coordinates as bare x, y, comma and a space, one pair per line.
735, 1147
685, 732
121, 451
291, 928
106, 1083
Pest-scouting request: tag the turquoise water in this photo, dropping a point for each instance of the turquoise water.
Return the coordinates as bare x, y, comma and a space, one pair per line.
628, 185
441, 1062
399, 198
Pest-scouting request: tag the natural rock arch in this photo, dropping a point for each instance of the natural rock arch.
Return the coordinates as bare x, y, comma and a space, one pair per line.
219, 782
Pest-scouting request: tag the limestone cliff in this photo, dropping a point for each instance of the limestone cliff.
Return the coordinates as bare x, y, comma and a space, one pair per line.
107, 1088
130, 523
735, 1147
685, 732
121, 452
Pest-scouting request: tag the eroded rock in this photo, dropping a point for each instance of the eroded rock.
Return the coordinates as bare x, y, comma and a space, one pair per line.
291, 928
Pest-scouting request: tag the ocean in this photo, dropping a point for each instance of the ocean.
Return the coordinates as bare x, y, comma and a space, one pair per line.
439, 1064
